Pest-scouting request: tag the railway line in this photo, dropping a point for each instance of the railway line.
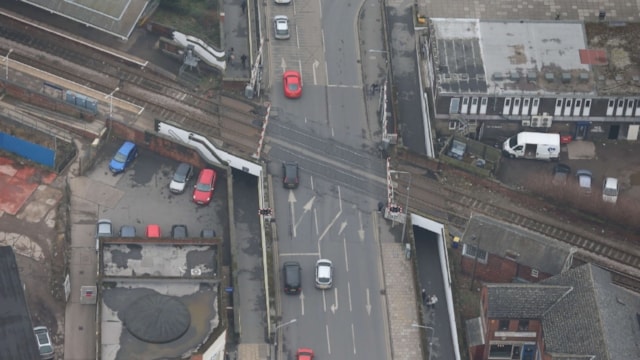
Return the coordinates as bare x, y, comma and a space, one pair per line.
453, 205
219, 116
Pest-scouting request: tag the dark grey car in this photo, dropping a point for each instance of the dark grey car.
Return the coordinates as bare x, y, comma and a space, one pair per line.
179, 232
127, 231
290, 178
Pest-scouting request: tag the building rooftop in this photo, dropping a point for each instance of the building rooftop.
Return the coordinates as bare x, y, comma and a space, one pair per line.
141, 278
18, 340
535, 58
115, 17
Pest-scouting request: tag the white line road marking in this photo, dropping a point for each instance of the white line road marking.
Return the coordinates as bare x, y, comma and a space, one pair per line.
328, 340
368, 306
305, 121
300, 69
361, 230
307, 207
333, 134
297, 37
346, 257
374, 225
344, 86
349, 293
310, 176
324, 301
300, 254
353, 337
326, 230
340, 198
283, 65
315, 215
334, 307
302, 302
316, 63
342, 226
292, 201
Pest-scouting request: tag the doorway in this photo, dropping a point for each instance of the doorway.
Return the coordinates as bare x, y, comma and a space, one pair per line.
581, 130
614, 131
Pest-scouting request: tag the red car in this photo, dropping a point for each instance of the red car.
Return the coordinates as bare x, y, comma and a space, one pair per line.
153, 231
203, 190
304, 354
292, 83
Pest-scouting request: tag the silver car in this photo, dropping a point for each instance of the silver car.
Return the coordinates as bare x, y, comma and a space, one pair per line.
104, 228
281, 27
282, 2
44, 342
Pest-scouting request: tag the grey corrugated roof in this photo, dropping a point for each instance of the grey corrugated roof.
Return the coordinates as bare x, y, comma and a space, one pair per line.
475, 333
17, 340
522, 301
527, 247
598, 318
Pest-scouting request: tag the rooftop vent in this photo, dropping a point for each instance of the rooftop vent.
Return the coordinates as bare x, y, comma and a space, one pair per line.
514, 76
566, 77
549, 77
636, 78
532, 75
584, 77
498, 76
619, 78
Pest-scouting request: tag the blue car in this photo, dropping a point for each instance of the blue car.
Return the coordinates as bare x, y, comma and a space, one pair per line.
124, 157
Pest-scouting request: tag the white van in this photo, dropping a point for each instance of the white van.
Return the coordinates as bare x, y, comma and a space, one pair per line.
533, 145
610, 190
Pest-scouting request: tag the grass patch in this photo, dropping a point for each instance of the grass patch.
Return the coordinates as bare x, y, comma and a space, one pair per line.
199, 18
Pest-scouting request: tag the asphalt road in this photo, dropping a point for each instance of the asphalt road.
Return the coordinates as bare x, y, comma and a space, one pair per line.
342, 178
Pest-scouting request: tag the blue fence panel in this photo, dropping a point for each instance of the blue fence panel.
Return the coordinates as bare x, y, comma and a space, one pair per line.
34, 152
81, 100
92, 105
70, 97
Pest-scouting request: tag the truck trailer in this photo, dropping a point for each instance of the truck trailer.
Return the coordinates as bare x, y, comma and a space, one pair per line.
533, 145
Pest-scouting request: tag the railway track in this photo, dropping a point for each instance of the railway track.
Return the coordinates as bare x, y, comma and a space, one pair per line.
219, 116
454, 206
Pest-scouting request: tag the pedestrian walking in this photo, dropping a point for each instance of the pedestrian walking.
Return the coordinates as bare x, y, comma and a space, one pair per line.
230, 56
424, 296
243, 59
433, 301
244, 6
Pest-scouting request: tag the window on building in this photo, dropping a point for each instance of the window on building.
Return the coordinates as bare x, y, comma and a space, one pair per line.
523, 325
472, 250
500, 351
453, 124
503, 325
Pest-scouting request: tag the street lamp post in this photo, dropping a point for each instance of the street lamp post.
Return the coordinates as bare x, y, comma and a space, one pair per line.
430, 338
275, 333
6, 64
406, 204
110, 96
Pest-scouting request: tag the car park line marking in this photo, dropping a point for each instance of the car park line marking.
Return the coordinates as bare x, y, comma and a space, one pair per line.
302, 301
346, 257
349, 293
334, 307
300, 254
361, 230
353, 337
292, 200
368, 306
328, 341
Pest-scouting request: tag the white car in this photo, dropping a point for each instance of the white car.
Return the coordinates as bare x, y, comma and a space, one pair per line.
610, 190
281, 27
181, 177
282, 2
104, 228
324, 274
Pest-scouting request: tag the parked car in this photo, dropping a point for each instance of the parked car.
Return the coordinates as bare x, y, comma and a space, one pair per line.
179, 232
124, 157
304, 354
127, 231
560, 174
290, 178
292, 84
324, 274
207, 233
610, 190
584, 180
281, 27
181, 177
44, 342
153, 231
292, 277
203, 190
104, 228
282, 2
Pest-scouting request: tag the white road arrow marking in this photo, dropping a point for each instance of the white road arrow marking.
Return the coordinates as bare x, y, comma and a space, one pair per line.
361, 230
342, 226
368, 306
283, 65
316, 63
302, 301
334, 307
292, 201
326, 230
307, 207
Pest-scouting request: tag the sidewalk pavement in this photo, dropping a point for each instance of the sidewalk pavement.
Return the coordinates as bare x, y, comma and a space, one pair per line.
236, 37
